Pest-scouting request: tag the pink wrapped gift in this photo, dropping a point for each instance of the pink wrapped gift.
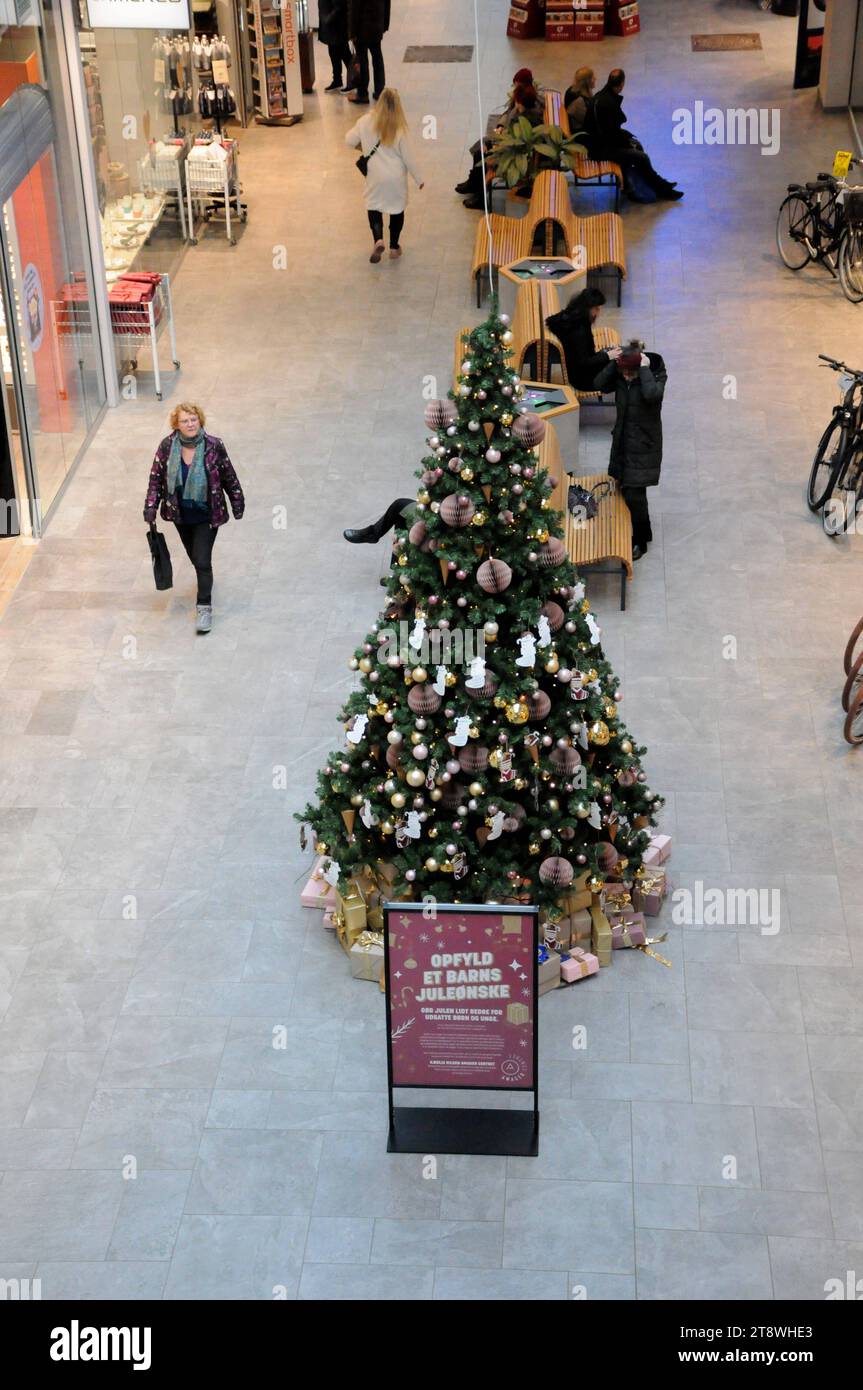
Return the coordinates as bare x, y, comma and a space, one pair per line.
648, 892
329, 919
576, 964
652, 856
662, 843
317, 892
628, 932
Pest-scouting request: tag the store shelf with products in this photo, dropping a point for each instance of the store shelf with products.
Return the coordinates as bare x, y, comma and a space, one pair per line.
271, 49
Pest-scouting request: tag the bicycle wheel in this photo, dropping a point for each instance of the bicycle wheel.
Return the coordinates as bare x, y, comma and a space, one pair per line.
850, 654
851, 264
853, 681
853, 730
795, 232
827, 464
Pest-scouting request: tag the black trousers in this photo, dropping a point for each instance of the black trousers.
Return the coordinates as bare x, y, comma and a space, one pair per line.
198, 542
364, 50
340, 53
636, 500
639, 161
376, 222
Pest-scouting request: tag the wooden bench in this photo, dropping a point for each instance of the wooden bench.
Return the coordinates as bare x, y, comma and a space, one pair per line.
536, 302
550, 218
589, 173
608, 536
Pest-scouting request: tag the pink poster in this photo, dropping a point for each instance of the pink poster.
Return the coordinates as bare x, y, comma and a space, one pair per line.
461, 993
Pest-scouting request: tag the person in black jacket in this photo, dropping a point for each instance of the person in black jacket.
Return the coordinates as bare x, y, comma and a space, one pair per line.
333, 31
611, 140
638, 380
574, 327
368, 21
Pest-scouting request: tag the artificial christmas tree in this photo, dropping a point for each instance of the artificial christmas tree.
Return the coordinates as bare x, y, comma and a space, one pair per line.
485, 759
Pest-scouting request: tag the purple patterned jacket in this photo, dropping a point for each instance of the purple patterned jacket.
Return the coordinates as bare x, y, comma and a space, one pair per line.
221, 479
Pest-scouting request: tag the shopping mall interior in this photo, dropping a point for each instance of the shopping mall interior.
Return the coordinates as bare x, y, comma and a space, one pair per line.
703, 1138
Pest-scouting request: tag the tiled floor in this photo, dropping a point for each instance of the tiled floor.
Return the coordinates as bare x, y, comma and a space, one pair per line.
706, 1142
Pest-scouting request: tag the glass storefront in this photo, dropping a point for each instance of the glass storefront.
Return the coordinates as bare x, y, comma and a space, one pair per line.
52, 372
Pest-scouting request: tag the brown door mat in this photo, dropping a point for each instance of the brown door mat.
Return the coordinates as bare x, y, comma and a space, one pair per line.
438, 53
724, 43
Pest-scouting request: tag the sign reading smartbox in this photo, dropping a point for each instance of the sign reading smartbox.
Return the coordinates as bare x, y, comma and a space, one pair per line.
139, 14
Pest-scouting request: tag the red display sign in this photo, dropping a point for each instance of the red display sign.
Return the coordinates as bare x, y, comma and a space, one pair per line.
462, 996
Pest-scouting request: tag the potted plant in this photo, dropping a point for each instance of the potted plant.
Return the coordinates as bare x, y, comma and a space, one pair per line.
521, 152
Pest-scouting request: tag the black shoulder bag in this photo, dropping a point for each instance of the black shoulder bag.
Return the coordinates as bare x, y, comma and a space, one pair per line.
584, 501
363, 161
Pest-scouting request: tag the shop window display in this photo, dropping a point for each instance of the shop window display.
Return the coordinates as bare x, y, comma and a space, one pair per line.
52, 378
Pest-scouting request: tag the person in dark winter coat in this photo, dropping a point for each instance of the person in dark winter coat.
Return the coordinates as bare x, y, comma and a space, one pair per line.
574, 327
610, 139
638, 380
333, 31
368, 21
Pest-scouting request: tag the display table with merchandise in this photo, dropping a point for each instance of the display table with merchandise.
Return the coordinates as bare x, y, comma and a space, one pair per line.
127, 225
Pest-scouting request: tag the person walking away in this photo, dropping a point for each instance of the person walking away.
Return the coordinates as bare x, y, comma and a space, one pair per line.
333, 31
638, 380
613, 141
573, 325
382, 134
578, 103
368, 21
191, 475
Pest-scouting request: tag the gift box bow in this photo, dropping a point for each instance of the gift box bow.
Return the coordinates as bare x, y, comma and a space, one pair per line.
367, 940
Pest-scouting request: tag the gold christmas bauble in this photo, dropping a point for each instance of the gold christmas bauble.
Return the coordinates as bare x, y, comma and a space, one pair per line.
478, 519
494, 757
416, 736
415, 777
582, 810
473, 731
552, 665
382, 707
595, 884
592, 674
598, 733
435, 794
533, 847
499, 702
520, 784
585, 605
431, 865
446, 866
610, 709
403, 559
466, 474
626, 746
433, 833
322, 847
365, 664
420, 673
423, 496
476, 789
450, 678
357, 799
517, 713
387, 827
398, 800
506, 418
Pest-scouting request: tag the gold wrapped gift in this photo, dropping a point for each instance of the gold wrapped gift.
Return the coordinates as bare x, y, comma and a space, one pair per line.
367, 956
600, 936
375, 918
577, 902
350, 916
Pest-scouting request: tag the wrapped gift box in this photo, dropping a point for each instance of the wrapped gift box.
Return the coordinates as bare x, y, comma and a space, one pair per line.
317, 892
350, 915
589, 25
581, 925
652, 857
577, 964
517, 1014
367, 956
623, 19
662, 843
600, 936
629, 932
648, 892
576, 901
329, 919
549, 972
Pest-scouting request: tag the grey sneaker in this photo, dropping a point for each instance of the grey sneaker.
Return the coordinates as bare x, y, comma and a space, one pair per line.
205, 617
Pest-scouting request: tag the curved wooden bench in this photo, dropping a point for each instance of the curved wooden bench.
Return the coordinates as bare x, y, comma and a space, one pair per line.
549, 456
591, 173
511, 240
608, 536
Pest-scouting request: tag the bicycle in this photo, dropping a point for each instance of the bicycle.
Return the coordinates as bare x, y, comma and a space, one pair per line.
822, 221
839, 457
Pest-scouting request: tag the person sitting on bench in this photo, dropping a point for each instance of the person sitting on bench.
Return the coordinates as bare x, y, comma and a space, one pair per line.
574, 327
524, 100
611, 140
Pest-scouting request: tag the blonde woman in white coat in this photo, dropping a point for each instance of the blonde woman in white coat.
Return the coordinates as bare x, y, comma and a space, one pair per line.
382, 135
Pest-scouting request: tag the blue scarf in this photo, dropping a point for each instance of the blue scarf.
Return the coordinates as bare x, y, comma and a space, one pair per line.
196, 489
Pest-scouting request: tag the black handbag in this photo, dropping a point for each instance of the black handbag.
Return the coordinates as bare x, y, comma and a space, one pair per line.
586, 500
363, 161
163, 572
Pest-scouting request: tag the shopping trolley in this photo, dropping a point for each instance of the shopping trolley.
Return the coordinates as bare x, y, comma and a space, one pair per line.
211, 184
163, 173
141, 309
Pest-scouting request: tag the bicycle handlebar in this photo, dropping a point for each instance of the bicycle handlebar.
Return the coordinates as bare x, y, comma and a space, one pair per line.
840, 366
